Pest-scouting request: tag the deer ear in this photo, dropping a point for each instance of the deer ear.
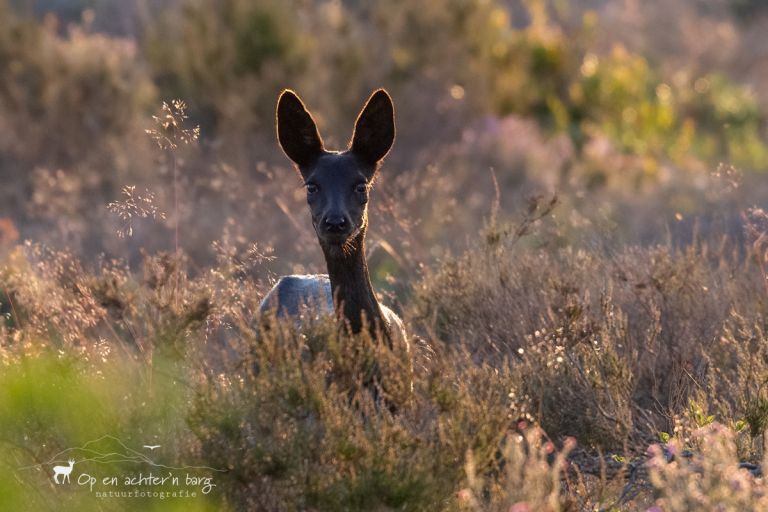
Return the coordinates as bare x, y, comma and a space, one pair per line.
374, 128
297, 131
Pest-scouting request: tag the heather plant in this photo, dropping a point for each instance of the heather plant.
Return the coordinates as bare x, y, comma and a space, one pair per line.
530, 477
643, 336
709, 479
289, 416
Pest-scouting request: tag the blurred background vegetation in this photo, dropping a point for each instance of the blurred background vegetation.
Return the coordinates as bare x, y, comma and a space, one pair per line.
627, 109
638, 293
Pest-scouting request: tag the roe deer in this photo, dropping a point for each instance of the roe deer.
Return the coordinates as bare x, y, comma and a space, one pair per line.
63, 470
337, 185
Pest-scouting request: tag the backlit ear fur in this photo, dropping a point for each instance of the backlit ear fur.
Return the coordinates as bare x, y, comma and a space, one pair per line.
297, 131
374, 129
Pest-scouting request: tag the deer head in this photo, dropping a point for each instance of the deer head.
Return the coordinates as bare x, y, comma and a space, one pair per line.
337, 182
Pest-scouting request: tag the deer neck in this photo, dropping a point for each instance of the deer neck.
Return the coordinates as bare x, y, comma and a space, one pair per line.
351, 285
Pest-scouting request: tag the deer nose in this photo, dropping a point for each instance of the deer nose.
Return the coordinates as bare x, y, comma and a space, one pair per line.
335, 223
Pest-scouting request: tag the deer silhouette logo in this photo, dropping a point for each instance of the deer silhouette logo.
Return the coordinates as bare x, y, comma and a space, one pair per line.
63, 470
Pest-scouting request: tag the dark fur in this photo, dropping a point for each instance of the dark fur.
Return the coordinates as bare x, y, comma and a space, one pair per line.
338, 185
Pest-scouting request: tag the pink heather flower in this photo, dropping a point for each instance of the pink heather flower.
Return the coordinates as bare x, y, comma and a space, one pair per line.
673, 448
520, 506
740, 479
464, 495
654, 450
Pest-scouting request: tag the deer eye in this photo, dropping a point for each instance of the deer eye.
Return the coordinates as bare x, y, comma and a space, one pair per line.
312, 188
361, 188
